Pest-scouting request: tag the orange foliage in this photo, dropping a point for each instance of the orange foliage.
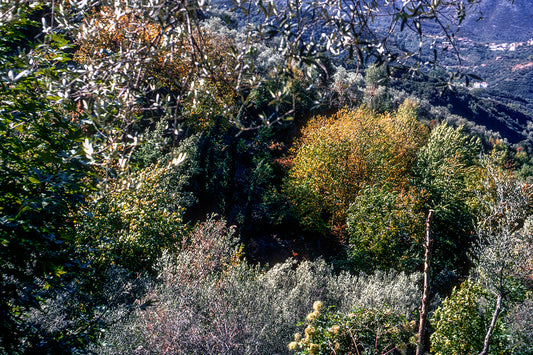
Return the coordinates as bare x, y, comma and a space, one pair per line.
338, 155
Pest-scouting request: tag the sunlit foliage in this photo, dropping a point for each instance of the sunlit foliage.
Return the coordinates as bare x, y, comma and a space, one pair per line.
460, 323
447, 168
125, 123
132, 224
504, 249
207, 299
195, 73
337, 156
364, 331
385, 229
43, 177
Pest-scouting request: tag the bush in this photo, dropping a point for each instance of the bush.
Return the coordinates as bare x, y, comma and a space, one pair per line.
460, 323
448, 169
79, 312
207, 300
520, 324
133, 221
385, 230
43, 178
362, 331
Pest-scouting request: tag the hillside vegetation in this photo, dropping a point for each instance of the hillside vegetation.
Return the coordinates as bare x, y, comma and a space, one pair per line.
253, 178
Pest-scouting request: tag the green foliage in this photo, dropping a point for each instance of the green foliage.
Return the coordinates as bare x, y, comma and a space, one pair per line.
232, 176
216, 161
385, 230
135, 220
377, 81
283, 96
163, 145
445, 162
461, 321
362, 331
503, 228
167, 65
448, 168
519, 321
376, 76
147, 84
204, 179
20, 30
43, 176
346, 88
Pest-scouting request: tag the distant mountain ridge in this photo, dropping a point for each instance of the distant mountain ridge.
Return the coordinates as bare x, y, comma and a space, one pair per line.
504, 105
502, 20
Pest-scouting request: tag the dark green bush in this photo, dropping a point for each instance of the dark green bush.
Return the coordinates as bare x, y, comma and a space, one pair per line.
43, 178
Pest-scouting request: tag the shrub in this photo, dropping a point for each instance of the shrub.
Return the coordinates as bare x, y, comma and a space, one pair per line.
377, 92
460, 323
79, 312
207, 300
346, 87
385, 229
447, 168
362, 331
163, 145
133, 221
43, 179
520, 324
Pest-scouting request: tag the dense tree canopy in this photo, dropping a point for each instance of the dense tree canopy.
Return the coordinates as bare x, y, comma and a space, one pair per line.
192, 177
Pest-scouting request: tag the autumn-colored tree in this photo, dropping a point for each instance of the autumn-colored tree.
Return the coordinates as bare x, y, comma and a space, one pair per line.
337, 156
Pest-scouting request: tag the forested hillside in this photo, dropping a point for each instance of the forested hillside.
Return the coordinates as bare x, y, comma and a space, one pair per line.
249, 177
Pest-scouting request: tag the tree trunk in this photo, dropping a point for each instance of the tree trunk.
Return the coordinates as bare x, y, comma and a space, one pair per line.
492, 324
425, 295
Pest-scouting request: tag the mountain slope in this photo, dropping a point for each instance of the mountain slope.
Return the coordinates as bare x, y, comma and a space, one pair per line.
502, 20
